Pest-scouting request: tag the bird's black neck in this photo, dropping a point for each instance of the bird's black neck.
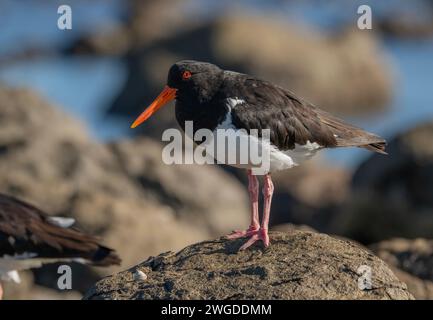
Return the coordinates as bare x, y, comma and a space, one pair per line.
201, 105
205, 115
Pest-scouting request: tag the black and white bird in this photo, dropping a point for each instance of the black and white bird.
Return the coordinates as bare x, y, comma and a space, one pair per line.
214, 99
29, 238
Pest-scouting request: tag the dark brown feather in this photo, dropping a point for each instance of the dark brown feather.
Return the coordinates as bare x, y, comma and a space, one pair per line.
31, 231
291, 119
351, 136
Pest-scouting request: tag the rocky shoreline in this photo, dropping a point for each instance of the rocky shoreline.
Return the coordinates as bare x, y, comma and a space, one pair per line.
123, 193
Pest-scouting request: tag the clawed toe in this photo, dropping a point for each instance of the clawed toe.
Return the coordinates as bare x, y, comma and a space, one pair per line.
262, 235
242, 233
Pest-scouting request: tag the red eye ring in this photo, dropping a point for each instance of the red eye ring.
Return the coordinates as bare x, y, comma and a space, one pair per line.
186, 75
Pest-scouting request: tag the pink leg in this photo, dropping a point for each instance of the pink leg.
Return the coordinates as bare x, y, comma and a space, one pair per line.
253, 188
1, 292
262, 234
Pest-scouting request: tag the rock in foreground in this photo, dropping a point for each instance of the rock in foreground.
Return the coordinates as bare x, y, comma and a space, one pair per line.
297, 265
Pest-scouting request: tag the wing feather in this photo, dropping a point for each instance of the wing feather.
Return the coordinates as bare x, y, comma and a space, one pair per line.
294, 121
25, 228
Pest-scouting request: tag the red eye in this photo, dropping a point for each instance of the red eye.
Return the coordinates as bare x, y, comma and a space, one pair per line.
186, 75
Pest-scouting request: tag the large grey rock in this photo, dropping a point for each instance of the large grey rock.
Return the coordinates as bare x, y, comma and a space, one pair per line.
412, 262
202, 195
421, 289
414, 256
297, 265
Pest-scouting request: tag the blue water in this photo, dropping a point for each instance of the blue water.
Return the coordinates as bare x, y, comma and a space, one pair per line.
83, 87
29, 23
86, 86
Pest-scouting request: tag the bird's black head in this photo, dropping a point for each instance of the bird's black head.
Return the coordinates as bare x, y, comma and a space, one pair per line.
194, 80
188, 81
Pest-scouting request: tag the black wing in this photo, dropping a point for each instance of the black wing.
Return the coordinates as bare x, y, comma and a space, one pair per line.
293, 120
25, 228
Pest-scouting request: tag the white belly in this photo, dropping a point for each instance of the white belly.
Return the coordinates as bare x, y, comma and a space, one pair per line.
236, 154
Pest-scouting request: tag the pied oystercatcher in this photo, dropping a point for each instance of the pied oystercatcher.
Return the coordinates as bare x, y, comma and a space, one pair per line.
213, 99
29, 238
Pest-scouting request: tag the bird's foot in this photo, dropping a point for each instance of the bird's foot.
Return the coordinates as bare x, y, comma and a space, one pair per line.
261, 234
252, 230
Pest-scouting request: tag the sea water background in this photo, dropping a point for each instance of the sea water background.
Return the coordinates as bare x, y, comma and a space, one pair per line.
86, 86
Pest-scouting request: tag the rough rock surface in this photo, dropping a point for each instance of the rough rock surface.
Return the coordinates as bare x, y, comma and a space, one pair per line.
388, 191
290, 227
297, 265
412, 262
419, 288
414, 256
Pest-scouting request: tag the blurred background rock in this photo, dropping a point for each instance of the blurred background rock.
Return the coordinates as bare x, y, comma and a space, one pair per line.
67, 99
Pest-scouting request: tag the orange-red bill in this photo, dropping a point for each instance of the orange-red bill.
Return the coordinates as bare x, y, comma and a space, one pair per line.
165, 96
